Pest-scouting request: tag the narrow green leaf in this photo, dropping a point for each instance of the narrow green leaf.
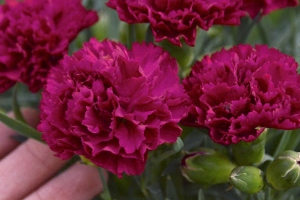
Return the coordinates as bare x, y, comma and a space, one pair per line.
149, 36
177, 146
171, 166
20, 127
15, 105
266, 158
105, 194
246, 27
156, 191
284, 140
170, 189
294, 140
193, 139
131, 35
200, 195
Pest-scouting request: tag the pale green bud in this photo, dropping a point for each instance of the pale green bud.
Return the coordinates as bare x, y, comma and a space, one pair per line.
247, 179
283, 173
207, 167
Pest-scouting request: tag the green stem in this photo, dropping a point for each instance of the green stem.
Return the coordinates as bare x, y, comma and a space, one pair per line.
105, 193
294, 140
131, 35
142, 185
284, 140
268, 193
149, 36
199, 48
20, 127
15, 105
294, 33
245, 32
201, 195
262, 33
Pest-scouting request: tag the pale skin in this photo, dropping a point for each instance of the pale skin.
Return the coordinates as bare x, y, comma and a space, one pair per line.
28, 170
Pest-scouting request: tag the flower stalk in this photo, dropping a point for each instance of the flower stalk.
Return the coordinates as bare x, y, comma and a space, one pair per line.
20, 127
105, 194
15, 105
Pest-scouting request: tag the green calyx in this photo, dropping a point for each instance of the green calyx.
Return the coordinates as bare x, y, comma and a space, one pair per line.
249, 153
207, 167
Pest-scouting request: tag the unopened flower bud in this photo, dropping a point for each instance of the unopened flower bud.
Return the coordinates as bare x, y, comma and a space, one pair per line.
248, 153
247, 179
207, 167
284, 171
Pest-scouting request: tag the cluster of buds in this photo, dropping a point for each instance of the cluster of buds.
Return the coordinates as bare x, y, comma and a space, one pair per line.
209, 167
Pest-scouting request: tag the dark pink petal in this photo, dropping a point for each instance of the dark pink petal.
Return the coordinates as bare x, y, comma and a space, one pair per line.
130, 135
173, 20
266, 6
113, 105
169, 133
34, 37
235, 92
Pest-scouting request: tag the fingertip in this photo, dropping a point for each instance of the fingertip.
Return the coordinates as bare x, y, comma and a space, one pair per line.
31, 116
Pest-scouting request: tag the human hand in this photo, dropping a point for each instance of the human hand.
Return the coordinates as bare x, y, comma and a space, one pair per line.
28, 171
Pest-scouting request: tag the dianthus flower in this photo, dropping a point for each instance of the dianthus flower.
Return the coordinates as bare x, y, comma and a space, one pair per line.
34, 36
113, 105
266, 6
173, 19
236, 93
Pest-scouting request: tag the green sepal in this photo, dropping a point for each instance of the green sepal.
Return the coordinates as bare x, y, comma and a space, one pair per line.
21, 127
249, 153
207, 167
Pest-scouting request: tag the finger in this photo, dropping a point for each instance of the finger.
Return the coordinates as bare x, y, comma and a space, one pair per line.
7, 144
76, 183
26, 168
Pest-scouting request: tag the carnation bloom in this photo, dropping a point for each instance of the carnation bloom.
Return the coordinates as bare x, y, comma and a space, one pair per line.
34, 36
236, 93
253, 7
113, 105
173, 19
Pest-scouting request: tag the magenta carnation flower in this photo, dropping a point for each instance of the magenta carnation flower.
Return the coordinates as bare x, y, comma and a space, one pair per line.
34, 36
113, 105
173, 19
236, 93
266, 6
